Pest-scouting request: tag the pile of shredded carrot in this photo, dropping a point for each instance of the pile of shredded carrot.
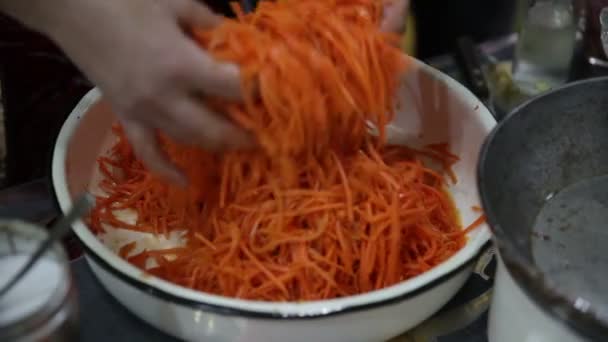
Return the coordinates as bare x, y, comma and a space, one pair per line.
323, 208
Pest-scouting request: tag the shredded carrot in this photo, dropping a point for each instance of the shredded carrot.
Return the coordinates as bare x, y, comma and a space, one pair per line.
478, 222
323, 208
126, 250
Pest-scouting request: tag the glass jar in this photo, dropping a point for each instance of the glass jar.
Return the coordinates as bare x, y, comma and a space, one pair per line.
545, 46
43, 305
593, 28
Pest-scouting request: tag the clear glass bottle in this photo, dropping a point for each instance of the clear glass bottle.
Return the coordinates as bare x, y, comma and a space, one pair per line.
545, 46
595, 27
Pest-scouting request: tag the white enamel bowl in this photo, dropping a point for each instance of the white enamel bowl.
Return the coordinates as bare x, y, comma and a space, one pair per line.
433, 108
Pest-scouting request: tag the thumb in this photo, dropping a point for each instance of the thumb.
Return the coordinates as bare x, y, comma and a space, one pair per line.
394, 17
191, 13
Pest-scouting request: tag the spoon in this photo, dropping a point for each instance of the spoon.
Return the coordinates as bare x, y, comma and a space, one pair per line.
598, 62
59, 230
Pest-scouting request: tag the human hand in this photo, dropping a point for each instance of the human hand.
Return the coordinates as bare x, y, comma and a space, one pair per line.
148, 69
395, 14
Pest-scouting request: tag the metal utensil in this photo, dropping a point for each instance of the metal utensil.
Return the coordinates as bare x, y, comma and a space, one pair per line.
57, 232
30, 202
543, 180
598, 62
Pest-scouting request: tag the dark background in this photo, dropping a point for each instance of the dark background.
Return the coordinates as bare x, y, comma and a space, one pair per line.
40, 86
440, 22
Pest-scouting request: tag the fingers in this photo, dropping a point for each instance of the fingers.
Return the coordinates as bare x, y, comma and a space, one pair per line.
193, 13
395, 14
212, 77
194, 124
168, 100
217, 78
146, 147
188, 122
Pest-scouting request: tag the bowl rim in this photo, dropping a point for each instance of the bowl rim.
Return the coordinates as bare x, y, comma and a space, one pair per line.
537, 288
120, 268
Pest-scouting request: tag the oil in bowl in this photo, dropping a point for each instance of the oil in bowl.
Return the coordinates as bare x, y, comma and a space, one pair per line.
570, 240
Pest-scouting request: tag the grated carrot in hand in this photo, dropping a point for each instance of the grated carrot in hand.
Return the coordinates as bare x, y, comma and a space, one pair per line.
322, 209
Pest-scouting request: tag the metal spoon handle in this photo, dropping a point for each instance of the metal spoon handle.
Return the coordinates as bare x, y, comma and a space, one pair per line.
81, 207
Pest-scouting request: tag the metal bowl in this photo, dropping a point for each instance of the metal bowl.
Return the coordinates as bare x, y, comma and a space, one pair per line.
544, 187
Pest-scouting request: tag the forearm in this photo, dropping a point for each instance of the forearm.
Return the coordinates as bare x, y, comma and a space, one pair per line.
39, 15
86, 30
61, 19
